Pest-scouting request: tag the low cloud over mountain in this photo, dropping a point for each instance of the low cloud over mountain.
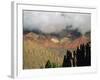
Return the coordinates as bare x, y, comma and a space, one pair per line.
56, 22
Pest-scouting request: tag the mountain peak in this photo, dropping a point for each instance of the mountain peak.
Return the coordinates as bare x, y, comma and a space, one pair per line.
77, 42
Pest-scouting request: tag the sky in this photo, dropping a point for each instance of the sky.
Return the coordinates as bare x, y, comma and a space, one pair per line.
55, 22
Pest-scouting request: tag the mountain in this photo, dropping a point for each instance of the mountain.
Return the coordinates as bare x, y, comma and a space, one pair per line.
67, 32
55, 42
77, 42
39, 48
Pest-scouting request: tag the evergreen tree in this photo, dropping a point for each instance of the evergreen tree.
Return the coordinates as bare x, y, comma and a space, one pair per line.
64, 61
88, 55
48, 64
78, 56
74, 59
54, 65
67, 59
81, 57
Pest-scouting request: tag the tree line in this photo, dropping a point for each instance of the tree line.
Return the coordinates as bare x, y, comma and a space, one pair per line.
79, 57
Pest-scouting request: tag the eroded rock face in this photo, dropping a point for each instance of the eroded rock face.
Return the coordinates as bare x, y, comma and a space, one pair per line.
31, 35
65, 39
77, 42
55, 40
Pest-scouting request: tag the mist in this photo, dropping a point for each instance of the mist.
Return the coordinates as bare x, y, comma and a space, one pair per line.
55, 22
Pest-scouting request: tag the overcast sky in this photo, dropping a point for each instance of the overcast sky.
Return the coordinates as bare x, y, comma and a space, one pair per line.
49, 22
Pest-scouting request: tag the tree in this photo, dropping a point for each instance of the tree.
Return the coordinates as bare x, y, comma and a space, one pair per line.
88, 54
74, 58
54, 65
48, 64
78, 56
64, 61
81, 56
67, 59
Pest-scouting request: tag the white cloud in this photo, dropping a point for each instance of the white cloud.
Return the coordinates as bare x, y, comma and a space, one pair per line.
49, 22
